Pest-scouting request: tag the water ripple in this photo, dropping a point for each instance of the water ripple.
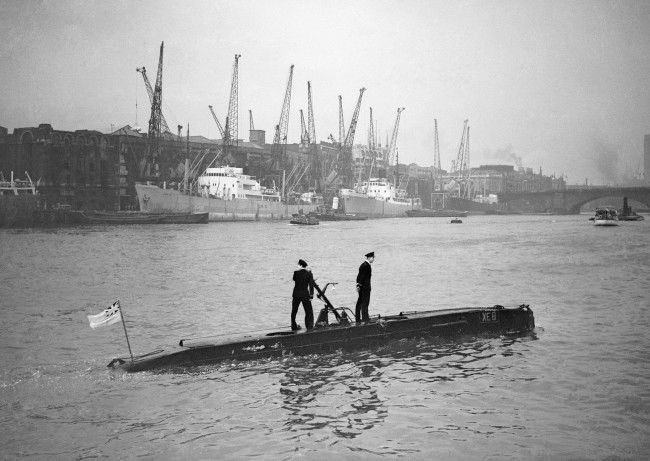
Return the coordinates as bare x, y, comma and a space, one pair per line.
575, 389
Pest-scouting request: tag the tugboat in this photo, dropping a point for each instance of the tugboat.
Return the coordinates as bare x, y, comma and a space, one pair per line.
304, 220
626, 213
340, 333
456, 221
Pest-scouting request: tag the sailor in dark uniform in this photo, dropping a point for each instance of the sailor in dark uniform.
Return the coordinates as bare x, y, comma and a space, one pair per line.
363, 287
303, 292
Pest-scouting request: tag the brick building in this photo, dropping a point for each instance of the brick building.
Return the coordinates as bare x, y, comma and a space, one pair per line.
71, 167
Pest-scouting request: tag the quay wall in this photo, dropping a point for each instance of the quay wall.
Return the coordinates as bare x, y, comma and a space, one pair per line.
19, 210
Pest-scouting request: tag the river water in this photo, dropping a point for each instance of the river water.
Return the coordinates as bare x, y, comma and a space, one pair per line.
578, 388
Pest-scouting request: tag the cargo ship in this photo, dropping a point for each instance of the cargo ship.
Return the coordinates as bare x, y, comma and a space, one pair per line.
226, 194
376, 198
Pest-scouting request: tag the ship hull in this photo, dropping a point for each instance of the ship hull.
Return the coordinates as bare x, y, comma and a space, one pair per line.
153, 199
135, 217
372, 208
338, 217
605, 222
436, 213
448, 323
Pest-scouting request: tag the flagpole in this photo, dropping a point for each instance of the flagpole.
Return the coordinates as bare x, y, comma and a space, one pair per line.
125, 333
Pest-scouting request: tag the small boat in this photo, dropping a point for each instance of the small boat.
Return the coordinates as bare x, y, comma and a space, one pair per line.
304, 220
456, 221
605, 217
426, 213
340, 333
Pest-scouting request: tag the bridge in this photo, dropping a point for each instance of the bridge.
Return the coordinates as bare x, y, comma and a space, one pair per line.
570, 200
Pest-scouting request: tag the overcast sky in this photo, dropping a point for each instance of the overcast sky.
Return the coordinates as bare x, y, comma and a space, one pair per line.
561, 85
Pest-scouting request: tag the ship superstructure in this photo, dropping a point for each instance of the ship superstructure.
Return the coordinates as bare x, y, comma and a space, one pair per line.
228, 183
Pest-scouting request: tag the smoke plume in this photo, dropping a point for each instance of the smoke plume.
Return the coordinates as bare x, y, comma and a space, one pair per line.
606, 160
505, 154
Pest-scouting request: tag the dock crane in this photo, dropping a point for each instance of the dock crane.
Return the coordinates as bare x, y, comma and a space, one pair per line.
467, 181
280, 138
436, 156
370, 154
371, 134
304, 135
437, 187
316, 163
349, 137
466, 164
458, 165
307, 140
461, 166
341, 123
231, 130
155, 122
390, 154
311, 125
216, 120
343, 168
295, 176
163, 123
341, 138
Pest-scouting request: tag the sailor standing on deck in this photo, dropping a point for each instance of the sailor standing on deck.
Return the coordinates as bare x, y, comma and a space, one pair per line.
303, 292
363, 287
